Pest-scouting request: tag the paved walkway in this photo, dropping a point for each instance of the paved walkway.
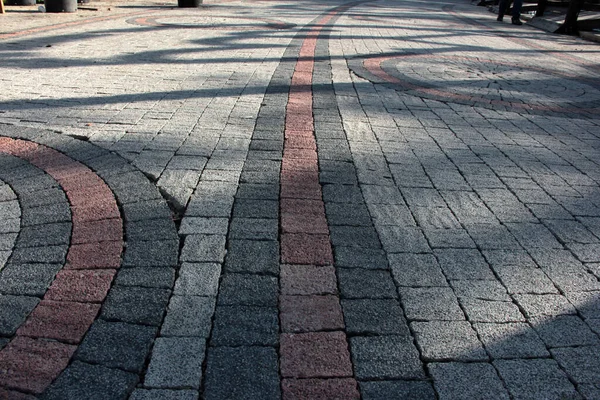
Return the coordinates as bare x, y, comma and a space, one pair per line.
298, 200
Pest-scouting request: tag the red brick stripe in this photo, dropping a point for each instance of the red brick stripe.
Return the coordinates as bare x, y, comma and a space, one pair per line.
46, 341
314, 356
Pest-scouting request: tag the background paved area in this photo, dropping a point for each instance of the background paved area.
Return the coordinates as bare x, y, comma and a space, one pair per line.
270, 199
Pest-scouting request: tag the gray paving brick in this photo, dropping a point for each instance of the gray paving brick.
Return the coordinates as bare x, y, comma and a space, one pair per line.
202, 207
28, 279
402, 239
252, 208
347, 214
484, 290
422, 197
203, 248
492, 237
39, 255
146, 277
448, 340
430, 304
143, 210
479, 310
384, 390
455, 381
94, 382
363, 283
259, 191
252, 290
533, 235
435, 218
449, 238
245, 326
374, 317
46, 235
46, 214
391, 214
544, 305
468, 208
135, 305
342, 194
580, 363
242, 373
164, 394
354, 236
176, 363
385, 357
117, 345
564, 330
416, 270
252, 256
198, 279
514, 340
151, 230
188, 316
13, 312
525, 280
254, 229
460, 264
357, 257
162, 253
535, 379
570, 231
382, 194
10, 225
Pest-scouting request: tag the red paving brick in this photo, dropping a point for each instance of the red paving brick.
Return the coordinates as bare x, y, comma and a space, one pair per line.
295, 164
85, 286
304, 223
306, 154
13, 395
302, 206
101, 255
325, 389
299, 178
310, 313
64, 321
97, 231
314, 355
94, 196
31, 365
301, 248
307, 279
300, 142
311, 191
103, 210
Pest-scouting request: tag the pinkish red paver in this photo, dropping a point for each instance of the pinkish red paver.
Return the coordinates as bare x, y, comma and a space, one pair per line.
102, 255
310, 313
60, 320
14, 395
302, 248
84, 286
330, 389
31, 365
315, 355
304, 223
37, 354
307, 280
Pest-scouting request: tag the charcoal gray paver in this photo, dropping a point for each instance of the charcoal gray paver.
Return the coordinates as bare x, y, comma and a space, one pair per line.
564, 330
137, 305
514, 340
164, 394
117, 345
416, 270
448, 340
13, 312
188, 316
384, 390
467, 381
374, 317
431, 303
245, 326
363, 283
252, 256
176, 363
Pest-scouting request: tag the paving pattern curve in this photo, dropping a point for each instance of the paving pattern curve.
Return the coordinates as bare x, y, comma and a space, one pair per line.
297, 200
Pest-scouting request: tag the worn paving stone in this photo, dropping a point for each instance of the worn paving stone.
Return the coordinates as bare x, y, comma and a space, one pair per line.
203, 248
188, 316
252, 256
198, 279
457, 381
136, 305
385, 357
117, 345
515, 340
176, 363
374, 317
82, 380
254, 229
150, 277
564, 330
480, 310
14, 311
307, 280
580, 363
251, 290
382, 390
27, 279
460, 264
310, 313
357, 283
448, 340
151, 254
241, 325
403, 239
535, 379
242, 372
416, 270
354, 257
431, 304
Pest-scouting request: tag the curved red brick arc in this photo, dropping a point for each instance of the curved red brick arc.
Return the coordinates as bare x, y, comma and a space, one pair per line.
44, 344
153, 21
373, 65
314, 352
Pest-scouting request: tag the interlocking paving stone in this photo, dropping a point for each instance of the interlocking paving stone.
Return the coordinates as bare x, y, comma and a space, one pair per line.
242, 372
146, 277
382, 390
241, 325
136, 305
343, 388
255, 290
385, 357
430, 304
374, 316
310, 313
252, 256
176, 363
535, 379
164, 394
515, 340
564, 330
448, 340
455, 381
203, 248
188, 316
357, 283
117, 345
82, 380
